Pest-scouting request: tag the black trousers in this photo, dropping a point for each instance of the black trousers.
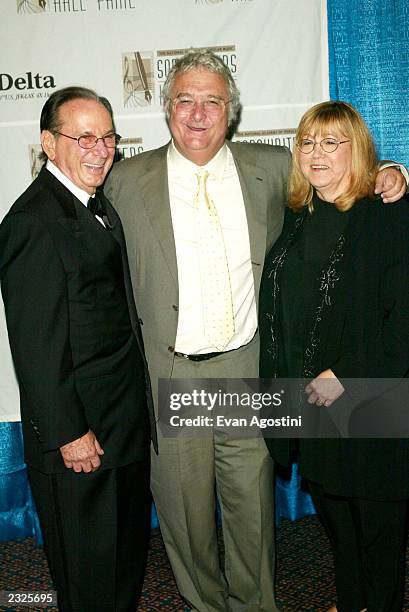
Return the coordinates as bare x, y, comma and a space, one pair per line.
368, 539
96, 530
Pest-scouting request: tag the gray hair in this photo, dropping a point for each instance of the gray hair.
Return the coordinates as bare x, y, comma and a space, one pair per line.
203, 58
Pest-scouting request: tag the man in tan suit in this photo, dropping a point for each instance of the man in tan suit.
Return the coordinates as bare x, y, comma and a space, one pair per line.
157, 195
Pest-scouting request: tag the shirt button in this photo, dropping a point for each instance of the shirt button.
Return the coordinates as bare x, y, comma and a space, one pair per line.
175, 307
171, 349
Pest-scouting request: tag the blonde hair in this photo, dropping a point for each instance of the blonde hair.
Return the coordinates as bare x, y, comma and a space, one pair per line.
344, 118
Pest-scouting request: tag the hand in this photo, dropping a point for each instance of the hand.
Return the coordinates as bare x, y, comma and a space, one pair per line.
391, 184
324, 389
82, 455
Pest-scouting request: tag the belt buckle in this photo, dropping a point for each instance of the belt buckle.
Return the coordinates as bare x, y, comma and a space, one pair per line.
183, 355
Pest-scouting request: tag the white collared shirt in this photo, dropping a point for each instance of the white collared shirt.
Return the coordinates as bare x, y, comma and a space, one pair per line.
224, 189
79, 193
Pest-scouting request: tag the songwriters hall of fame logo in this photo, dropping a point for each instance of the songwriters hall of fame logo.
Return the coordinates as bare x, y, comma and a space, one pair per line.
138, 79
145, 72
284, 137
36, 163
31, 6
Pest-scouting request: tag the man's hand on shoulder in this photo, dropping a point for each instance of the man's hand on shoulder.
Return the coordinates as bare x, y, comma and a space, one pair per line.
390, 184
82, 455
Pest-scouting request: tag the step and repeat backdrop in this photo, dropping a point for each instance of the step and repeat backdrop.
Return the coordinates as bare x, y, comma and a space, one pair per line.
276, 50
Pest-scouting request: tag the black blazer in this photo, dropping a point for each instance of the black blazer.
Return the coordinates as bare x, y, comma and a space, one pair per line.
73, 328
360, 329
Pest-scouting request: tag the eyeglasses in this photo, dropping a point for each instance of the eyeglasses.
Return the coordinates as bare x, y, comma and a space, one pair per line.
89, 141
328, 145
213, 106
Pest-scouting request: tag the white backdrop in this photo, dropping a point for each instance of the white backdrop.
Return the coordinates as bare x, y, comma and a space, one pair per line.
276, 50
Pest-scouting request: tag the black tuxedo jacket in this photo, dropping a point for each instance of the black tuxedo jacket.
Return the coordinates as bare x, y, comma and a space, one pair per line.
73, 328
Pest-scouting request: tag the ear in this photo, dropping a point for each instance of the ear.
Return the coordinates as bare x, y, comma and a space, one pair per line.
48, 141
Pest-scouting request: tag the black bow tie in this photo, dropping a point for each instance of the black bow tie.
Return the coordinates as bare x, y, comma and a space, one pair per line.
97, 206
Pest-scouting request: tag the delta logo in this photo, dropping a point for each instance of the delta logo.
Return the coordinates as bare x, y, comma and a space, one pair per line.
26, 86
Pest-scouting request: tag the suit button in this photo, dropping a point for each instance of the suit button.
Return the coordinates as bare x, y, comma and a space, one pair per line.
171, 349
175, 307
140, 321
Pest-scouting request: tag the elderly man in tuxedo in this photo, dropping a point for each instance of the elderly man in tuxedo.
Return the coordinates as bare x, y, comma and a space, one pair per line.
199, 215
79, 358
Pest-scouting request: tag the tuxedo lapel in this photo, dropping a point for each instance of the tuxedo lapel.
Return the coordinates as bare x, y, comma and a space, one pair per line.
155, 193
92, 241
114, 227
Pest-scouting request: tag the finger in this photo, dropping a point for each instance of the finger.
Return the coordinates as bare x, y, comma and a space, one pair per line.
95, 461
98, 447
86, 467
310, 387
83, 466
387, 197
392, 187
327, 403
402, 192
379, 182
312, 398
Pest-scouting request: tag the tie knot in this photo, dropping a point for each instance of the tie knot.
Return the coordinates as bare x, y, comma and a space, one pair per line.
97, 205
202, 177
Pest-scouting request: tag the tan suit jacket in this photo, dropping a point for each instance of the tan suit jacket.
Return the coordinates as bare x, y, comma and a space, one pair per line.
138, 189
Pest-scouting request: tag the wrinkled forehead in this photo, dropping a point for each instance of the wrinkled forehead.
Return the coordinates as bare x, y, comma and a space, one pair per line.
84, 111
199, 79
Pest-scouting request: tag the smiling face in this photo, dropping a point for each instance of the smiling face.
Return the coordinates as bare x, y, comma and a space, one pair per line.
329, 173
86, 168
196, 135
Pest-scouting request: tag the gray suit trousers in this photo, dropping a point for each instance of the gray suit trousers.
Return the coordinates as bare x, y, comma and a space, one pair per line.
188, 475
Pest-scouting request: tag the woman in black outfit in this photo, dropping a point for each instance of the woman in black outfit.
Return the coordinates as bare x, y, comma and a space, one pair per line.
334, 306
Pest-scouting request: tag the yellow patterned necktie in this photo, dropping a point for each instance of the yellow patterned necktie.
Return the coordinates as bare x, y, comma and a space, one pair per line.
214, 270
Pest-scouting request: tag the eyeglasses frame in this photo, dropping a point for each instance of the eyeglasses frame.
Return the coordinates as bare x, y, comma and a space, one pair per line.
117, 139
338, 142
225, 102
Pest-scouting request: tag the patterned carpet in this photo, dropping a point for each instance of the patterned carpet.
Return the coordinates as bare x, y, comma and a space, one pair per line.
304, 580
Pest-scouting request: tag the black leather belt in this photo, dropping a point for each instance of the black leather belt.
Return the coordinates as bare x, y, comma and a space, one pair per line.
203, 357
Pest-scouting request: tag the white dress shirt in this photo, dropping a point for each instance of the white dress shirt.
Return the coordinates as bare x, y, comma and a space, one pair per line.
223, 187
79, 193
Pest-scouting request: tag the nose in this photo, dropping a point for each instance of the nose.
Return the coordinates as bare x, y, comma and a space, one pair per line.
198, 110
317, 150
100, 148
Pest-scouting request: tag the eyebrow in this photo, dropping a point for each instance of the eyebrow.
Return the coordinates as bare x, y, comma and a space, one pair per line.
190, 95
90, 133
